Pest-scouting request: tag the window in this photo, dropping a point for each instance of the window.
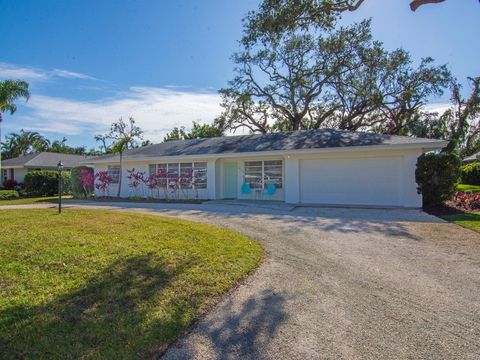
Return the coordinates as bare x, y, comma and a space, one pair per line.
152, 169
253, 174
114, 173
259, 174
273, 173
172, 169
189, 172
200, 175
186, 175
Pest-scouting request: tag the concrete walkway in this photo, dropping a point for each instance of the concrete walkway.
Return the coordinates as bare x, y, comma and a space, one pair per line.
339, 284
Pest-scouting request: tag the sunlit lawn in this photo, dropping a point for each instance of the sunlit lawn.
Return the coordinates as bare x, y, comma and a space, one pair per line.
103, 284
468, 220
465, 187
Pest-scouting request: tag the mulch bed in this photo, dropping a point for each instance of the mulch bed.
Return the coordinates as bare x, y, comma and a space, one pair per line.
448, 208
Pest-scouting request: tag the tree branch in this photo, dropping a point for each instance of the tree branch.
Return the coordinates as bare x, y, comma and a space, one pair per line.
414, 5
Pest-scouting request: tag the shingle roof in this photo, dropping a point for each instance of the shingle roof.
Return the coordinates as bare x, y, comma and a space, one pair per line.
45, 160
280, 141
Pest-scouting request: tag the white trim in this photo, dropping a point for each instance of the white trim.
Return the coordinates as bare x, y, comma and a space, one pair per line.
424, 146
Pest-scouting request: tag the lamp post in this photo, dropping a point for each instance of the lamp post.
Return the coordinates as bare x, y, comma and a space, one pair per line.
60, 186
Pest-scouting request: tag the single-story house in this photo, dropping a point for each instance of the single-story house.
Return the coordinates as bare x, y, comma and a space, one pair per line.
472, 158
17, 168
322, 166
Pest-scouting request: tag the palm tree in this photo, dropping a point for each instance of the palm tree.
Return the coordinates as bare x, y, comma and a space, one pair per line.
24, 143
11, 90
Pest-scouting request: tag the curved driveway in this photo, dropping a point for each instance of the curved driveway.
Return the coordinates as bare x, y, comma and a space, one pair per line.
341, 283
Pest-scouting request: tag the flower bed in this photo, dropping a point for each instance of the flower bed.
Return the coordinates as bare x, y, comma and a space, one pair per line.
466, 201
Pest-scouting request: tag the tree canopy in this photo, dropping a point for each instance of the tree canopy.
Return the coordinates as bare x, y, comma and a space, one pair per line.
197, 131
308, 76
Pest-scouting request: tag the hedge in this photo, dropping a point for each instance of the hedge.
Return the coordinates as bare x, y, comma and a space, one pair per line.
436, 176
470, 174
45, 182
8, 194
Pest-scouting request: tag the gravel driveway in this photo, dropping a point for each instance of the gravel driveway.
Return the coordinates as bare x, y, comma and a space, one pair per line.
342, 283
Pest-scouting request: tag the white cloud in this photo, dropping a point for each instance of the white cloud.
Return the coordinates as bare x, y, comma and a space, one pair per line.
156, 110
9, 71
28, 73
437, 107
71, 75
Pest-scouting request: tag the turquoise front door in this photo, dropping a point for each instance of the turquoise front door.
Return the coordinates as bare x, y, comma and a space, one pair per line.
230, 180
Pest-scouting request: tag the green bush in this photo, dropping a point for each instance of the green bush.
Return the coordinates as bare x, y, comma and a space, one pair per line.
8, 194
436, 176
45, 183
470, 174
76, 181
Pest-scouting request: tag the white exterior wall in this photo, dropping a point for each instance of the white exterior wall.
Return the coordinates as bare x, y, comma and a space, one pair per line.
19, 175
292, 180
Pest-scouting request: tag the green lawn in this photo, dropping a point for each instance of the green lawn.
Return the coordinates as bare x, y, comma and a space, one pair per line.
33, 200
464, 187
105, 284
470, 221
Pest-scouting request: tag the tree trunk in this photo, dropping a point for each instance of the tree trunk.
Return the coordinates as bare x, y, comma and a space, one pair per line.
120, 176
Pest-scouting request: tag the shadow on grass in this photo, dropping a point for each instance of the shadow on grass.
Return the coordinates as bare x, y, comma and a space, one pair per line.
115, 315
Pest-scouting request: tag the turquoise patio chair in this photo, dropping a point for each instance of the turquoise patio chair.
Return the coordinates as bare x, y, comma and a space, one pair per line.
270, 190
246, 188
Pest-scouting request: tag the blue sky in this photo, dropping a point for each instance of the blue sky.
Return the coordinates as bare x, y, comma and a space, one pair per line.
90, 62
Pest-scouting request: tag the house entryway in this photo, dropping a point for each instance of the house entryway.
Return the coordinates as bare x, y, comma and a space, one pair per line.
230, 175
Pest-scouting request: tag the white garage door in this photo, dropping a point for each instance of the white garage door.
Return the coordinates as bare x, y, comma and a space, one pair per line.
369, 181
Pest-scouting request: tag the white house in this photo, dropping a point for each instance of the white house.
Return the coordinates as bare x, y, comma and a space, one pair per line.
322, 166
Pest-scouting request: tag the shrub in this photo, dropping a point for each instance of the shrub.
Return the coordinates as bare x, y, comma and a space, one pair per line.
470, 173
9, 184
45, 182
8, 194
82, 181
436, 176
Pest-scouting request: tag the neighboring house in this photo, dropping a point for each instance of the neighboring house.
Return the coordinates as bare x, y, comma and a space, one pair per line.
472, 158
17, 168
313, 167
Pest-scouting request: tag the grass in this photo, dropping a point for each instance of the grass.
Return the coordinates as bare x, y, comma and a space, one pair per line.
465, 187
468, 220
105, 284
33, 200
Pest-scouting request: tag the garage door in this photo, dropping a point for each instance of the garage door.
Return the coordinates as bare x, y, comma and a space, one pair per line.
369, 181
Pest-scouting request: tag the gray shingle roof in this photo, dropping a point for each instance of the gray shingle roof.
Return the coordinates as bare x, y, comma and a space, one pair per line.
280, 141
45, 160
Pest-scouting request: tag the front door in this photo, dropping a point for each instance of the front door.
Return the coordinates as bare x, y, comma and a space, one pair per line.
230, 180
